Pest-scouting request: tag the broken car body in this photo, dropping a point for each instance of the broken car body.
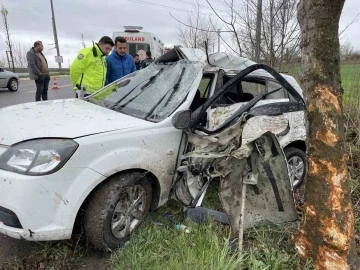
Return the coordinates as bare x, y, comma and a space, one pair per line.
121, 144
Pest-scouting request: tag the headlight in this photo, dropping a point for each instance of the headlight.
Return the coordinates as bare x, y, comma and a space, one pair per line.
38, 157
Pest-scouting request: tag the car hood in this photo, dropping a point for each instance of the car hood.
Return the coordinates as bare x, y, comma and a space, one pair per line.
68, 118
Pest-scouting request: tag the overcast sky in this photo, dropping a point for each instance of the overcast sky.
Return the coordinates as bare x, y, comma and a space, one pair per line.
31, 20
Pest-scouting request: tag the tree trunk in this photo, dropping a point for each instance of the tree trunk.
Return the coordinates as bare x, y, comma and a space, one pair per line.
326, 235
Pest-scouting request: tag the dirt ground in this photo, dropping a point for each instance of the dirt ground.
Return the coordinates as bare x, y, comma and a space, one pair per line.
62, 255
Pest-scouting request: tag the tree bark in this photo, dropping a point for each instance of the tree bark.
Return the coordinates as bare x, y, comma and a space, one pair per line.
326, 235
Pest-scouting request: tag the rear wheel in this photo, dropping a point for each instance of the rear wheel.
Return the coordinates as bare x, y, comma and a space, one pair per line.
116, 209
13, 85
296, 160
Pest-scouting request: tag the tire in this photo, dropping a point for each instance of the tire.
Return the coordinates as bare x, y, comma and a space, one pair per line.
13, 85
296, 160
109, 205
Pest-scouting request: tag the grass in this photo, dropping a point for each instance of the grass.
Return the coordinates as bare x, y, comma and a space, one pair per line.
352, 123
55, 255
207, 246
156, 247
349, 78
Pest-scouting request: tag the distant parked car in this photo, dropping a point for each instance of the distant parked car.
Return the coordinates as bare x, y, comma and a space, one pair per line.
9, 80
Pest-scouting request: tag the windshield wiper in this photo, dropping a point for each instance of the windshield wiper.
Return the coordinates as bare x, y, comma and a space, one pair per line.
152, 79
150, 82
175, 88
118, 102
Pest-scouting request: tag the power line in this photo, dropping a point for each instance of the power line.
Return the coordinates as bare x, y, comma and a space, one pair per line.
204, 30
225, 4
195, 4
166, 7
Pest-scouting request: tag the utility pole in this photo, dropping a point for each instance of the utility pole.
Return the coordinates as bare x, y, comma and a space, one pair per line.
55, 33
258, 31
218, 40
83, 42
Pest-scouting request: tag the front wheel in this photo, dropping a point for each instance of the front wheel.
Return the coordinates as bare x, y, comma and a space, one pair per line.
13, 85
116, 208
296, 160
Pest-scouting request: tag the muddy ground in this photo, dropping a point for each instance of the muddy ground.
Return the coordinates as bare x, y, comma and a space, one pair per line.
62, 255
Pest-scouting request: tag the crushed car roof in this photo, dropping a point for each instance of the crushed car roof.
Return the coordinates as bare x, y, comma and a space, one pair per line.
229, 63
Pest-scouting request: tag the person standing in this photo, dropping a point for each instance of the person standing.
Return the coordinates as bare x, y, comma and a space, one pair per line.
38, 70
148, 60
119, 63
137, 61
88, 70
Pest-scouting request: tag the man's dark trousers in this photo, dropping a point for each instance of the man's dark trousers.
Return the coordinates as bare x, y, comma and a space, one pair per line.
42, 84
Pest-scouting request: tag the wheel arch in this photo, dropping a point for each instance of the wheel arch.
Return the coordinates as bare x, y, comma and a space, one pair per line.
156, 191
297, 144
8, 83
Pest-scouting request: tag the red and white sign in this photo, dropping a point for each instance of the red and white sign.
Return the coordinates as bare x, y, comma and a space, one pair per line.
58, 59
135, 39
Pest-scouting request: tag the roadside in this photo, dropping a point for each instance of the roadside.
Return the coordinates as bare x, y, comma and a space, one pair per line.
57, 255
52, 75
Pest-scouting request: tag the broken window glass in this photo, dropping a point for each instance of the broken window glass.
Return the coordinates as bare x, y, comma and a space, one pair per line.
152, 93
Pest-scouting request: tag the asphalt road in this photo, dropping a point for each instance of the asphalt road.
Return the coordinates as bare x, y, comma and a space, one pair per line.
27, 89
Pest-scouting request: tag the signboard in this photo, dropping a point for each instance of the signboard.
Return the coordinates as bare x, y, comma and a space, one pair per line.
134, 39
58, 59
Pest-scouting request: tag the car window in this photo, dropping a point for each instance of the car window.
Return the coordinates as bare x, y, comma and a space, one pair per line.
271, 86
249, 87
253, 88
243, 91
204, 86
1, 70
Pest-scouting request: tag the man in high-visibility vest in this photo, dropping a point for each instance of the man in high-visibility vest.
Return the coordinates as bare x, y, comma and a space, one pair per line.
88, 70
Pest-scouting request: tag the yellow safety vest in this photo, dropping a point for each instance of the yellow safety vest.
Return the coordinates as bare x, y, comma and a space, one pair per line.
89, 69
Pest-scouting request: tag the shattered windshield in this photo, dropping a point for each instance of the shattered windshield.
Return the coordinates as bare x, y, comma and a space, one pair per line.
152, 93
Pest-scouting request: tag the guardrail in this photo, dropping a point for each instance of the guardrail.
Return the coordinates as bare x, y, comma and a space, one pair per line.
26, 70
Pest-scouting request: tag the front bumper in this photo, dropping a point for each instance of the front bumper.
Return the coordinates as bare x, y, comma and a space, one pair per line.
43, 207
9, 218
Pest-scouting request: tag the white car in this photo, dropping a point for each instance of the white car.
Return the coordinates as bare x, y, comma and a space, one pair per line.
9, 80
112, 157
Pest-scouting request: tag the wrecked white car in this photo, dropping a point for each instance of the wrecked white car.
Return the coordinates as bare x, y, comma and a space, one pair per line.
159, 132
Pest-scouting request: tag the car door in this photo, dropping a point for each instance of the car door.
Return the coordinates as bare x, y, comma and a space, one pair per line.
238, 143
3, 78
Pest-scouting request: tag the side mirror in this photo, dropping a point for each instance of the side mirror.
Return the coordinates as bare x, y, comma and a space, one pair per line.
181, 119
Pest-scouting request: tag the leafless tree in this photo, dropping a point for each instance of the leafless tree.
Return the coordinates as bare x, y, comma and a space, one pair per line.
19, 51
230, 24
2, 61
4, 14
196, 29
280, 33
346, 50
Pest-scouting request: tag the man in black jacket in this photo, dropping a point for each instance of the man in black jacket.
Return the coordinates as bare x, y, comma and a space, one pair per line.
38, 70
147, 61
137, 61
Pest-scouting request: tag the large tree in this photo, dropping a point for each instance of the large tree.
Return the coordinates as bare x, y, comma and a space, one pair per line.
4, 13
326, 235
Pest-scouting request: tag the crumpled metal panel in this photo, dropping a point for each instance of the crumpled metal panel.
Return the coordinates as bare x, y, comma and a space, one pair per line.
260, 202
246, 151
